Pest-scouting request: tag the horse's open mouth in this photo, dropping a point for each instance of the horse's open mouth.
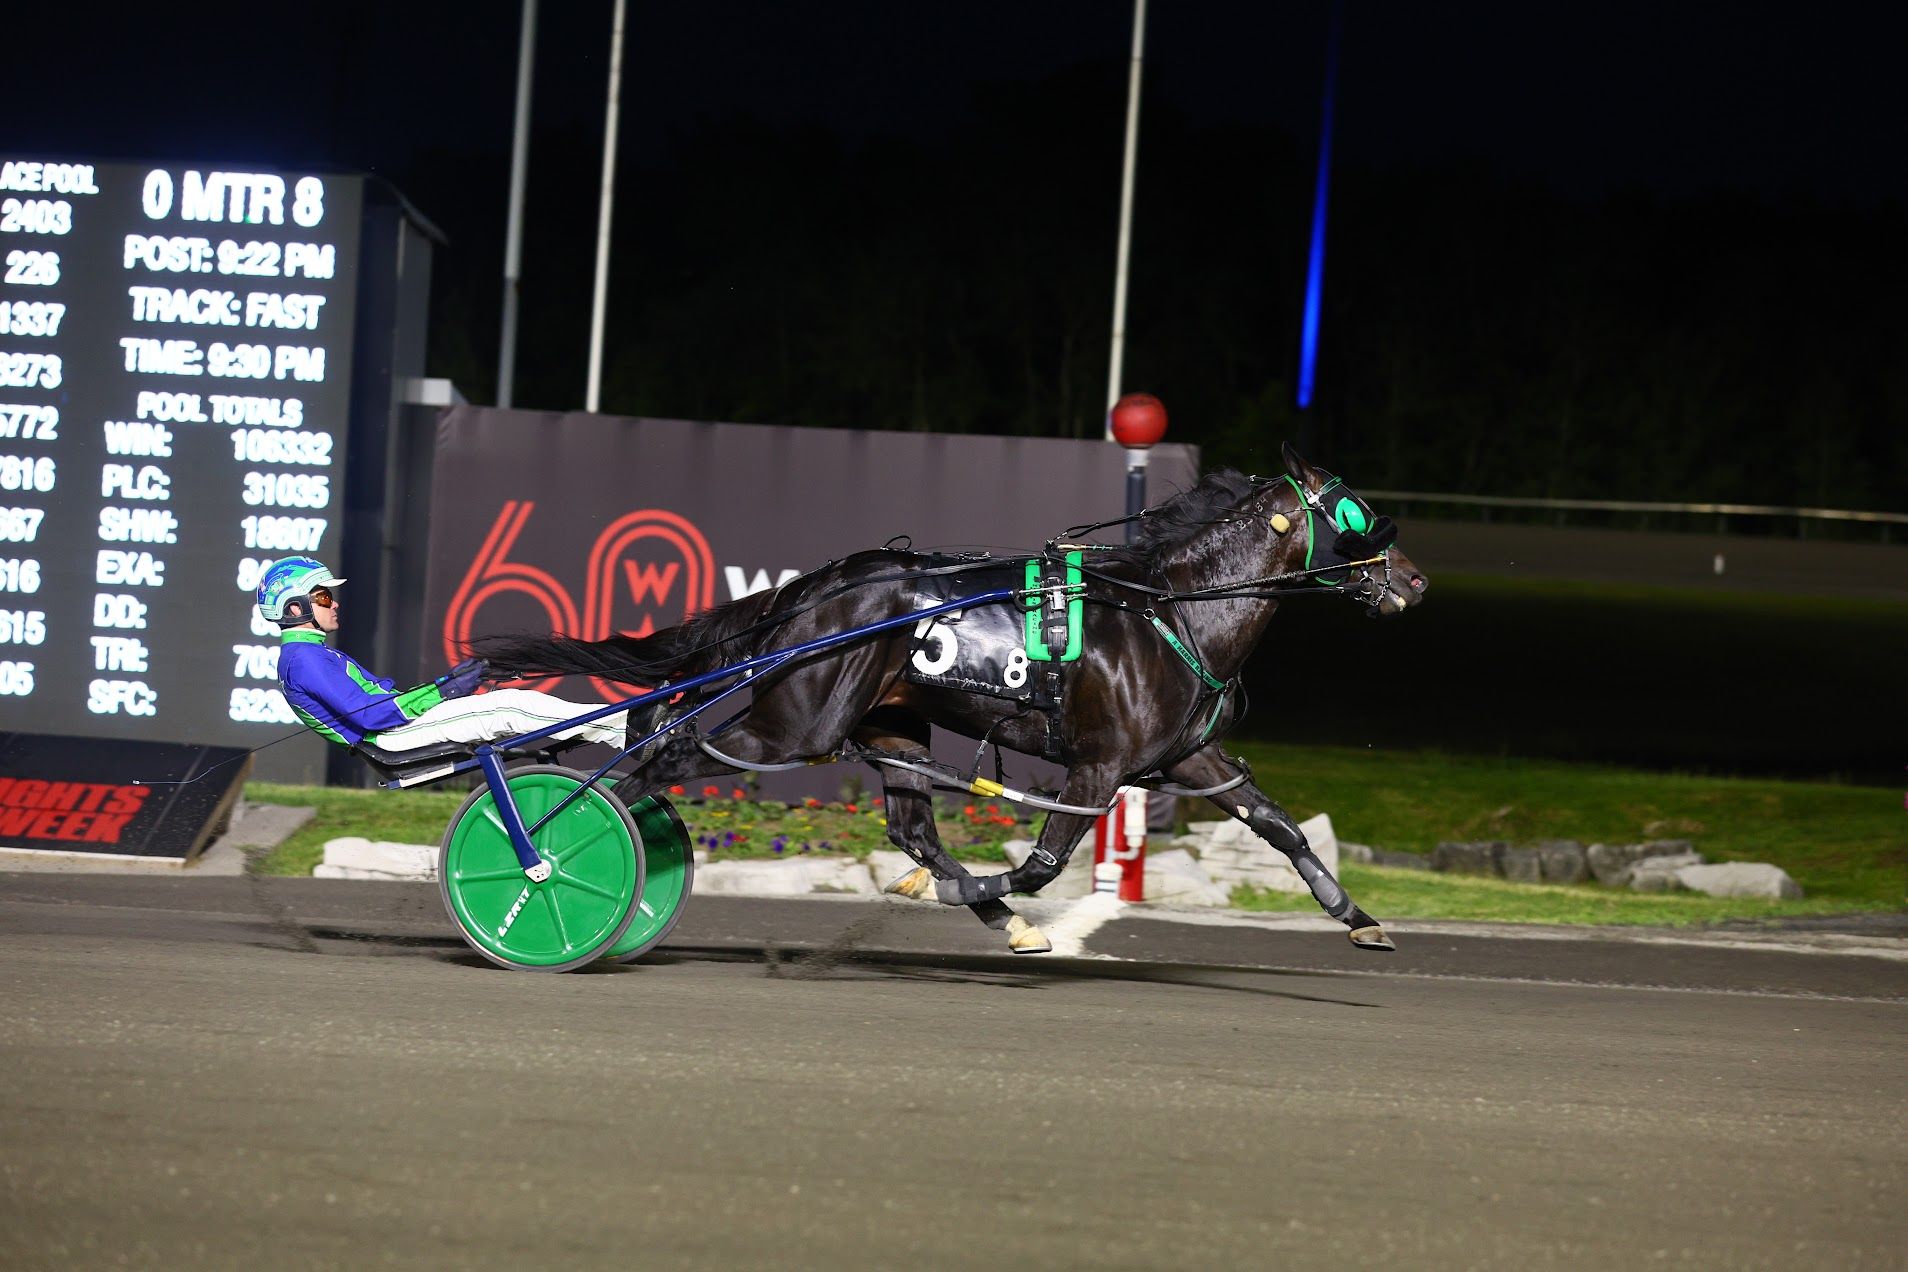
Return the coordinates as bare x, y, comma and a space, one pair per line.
1397, 595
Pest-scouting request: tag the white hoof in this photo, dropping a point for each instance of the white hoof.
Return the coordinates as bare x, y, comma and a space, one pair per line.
916, 885
1024, 938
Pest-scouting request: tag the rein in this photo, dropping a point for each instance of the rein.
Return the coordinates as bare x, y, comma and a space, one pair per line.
1265, 587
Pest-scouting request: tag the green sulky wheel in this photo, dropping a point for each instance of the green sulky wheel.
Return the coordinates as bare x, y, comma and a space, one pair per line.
669, 862
575, 915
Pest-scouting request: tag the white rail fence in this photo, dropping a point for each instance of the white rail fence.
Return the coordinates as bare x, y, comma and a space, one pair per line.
1884, 522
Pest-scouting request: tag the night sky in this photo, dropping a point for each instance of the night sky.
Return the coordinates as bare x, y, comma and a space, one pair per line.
1787, 99
1798, 105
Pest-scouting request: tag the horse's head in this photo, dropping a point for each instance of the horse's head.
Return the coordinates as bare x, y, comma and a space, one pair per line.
1340, 529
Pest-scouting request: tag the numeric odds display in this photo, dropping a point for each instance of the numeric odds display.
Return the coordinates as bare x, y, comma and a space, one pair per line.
175, 372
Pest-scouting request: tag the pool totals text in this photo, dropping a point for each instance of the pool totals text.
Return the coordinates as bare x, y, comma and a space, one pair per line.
175, 358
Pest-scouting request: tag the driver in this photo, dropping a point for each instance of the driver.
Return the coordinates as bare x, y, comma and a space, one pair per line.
336, 696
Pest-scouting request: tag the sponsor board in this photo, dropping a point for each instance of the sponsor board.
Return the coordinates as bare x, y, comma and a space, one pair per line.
115, 797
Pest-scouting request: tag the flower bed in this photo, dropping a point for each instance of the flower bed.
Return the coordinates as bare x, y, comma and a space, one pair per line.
730, 823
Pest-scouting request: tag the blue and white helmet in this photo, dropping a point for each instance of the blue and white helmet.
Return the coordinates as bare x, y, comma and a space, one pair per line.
284, 594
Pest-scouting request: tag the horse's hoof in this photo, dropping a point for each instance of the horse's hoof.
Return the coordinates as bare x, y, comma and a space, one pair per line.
1371, 938
916, 885
1024, 938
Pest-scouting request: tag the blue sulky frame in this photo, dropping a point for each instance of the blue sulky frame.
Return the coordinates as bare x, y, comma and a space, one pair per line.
488, 756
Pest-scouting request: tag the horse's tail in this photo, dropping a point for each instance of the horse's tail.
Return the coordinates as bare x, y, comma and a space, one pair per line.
703, 643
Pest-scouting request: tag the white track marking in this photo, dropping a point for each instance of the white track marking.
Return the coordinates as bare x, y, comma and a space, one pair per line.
1070, 929
1790, 942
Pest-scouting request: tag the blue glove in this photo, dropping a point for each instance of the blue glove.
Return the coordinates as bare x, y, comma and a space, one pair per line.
462, 679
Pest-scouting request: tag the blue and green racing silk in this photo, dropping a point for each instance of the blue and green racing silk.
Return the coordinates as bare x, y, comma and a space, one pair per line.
337, 697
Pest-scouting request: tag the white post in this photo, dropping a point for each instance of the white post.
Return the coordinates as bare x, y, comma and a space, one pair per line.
1126, 211
593, 398
513, 240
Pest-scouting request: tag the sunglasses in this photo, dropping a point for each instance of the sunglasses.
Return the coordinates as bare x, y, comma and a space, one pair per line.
321, 596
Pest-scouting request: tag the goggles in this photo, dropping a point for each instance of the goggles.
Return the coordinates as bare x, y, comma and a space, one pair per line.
321, 596
1358, 533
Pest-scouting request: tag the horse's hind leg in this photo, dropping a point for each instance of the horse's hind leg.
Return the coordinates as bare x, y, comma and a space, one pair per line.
675, 761
1210, 766
907, 799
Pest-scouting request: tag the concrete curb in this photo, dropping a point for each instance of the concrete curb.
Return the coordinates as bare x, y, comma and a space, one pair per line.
255, 828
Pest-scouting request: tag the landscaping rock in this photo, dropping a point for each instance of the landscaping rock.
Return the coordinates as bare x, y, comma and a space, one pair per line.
1480, 858
354, 857
1563, 861
1174, 877
1611, 863
1658, 874
1523, 865
1359, 853
800, 876
1231, 854
1740, 879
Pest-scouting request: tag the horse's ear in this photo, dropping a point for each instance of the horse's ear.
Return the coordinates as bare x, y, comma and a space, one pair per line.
1301, 471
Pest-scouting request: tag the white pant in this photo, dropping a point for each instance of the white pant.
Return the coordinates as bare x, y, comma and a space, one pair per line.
501, 713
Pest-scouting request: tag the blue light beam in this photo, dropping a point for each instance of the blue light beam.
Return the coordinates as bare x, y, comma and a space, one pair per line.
1315, 268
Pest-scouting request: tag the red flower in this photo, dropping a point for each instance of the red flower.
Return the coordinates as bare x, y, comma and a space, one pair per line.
710, 792
969, 810
811, 802
675, 790
736, 793
851, 808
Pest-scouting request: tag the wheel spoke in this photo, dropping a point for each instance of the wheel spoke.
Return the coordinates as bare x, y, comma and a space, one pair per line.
585, 885
556, 916
548, 795
489, 876
576, 849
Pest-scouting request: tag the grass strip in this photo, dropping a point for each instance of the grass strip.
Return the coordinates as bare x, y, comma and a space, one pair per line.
1413, 894
1845, 844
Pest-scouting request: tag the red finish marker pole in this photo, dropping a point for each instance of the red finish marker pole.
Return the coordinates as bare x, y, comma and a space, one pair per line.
1119, 839
1137, 422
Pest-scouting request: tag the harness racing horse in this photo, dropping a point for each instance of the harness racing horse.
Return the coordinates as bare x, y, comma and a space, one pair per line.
1168, 621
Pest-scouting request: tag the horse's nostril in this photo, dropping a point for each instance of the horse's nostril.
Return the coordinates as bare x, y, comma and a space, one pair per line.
1417, 582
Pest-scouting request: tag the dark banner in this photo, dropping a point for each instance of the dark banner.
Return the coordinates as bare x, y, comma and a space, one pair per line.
101, 796
590, 525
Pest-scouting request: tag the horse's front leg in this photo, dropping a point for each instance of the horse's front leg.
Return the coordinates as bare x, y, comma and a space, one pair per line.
907, 799
1210, 766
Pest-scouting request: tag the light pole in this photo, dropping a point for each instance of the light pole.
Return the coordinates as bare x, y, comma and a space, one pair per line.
513, 238
594, 396
1126, 208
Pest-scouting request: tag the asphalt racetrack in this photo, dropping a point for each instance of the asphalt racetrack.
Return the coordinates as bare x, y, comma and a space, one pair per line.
306, 1073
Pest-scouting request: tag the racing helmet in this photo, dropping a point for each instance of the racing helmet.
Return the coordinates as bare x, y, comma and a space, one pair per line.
284, 593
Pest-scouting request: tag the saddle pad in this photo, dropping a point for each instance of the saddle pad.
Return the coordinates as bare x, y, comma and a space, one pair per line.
979, 650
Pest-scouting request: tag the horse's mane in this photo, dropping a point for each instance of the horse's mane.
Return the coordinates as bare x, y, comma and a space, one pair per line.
1171, 525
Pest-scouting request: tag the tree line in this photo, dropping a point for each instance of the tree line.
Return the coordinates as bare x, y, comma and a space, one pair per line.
1480, 334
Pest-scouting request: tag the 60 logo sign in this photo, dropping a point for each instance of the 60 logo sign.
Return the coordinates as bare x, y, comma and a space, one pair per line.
648, 569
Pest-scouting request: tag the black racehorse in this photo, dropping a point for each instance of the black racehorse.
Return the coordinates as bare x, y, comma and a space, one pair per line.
1169, 622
